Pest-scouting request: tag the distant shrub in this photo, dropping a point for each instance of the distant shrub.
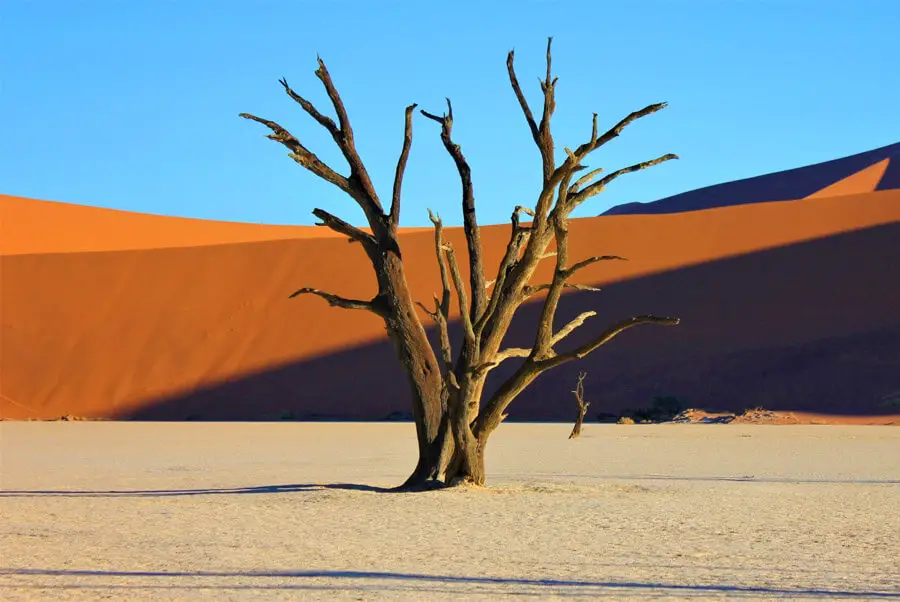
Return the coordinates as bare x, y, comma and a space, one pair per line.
663, 408
892, 400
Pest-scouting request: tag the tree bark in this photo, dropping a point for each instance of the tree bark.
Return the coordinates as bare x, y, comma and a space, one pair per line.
420, 365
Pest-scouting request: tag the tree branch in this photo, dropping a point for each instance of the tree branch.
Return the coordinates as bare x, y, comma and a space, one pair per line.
468, 330
605, 337
324, 121
548, 86
572, 163
598, 186
492, 414
440, 319
531, 290
301, 154
401, 166
574, 188
543, 339
518, 236
541, 133
444, 304
570, 327
499, 358
470, 223
336, 301
348, 230
441, 314
592, 260
434, 315
529, 116
588, 147
358, 174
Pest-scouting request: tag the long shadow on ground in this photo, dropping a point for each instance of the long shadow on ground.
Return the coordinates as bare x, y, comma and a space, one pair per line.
304, 487
413, 578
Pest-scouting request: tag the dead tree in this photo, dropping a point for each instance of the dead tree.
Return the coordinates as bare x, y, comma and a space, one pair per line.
582, 406
454, 417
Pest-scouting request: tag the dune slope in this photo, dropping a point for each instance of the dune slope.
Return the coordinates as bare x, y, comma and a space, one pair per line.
204, 327
877, 169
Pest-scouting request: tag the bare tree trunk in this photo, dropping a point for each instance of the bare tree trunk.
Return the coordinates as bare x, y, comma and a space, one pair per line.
467, 467
420, 365
582, 406
452, 423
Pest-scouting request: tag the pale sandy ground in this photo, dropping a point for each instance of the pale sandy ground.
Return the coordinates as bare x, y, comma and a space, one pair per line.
225, 511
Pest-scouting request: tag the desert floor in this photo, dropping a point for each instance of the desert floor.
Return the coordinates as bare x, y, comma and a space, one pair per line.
271, 511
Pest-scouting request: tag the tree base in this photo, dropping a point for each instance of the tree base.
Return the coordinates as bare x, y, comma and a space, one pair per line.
465, 483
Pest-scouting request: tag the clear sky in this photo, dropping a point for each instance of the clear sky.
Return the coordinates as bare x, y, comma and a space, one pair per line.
133, 104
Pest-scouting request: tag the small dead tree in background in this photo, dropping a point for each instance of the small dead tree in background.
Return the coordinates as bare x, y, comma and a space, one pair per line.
582, 406
454, 417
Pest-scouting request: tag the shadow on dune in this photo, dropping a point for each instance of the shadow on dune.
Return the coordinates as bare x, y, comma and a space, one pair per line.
813, 326
412, 582
779, 186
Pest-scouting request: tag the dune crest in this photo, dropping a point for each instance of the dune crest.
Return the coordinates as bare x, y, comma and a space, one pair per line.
786, 185
35, 226
866, 180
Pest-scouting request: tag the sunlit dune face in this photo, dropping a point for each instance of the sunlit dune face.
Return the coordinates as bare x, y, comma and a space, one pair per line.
106, 313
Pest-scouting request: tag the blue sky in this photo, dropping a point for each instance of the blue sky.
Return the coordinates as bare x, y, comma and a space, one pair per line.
133, 104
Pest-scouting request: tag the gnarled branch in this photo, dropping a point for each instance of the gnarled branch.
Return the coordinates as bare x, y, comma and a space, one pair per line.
518, 237
543, 339
594, 143
570, 327
462, 296
540, 132
499, 358
358, 185
358, 174
592, 260
470, 222
301, 154
529, 116
348, 230
598, 186
401, 166
313, 112
561, 175
574, 188
441, 314
440, 319
337, 301
605, 337
533, 289
442, 264
493, 412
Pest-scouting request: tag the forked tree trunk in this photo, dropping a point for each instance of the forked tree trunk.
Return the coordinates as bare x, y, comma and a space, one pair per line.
452, 423
420, 365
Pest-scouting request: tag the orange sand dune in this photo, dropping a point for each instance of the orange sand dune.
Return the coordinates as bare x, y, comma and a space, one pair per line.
876, 169
32, 226
204, 327
865, 180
